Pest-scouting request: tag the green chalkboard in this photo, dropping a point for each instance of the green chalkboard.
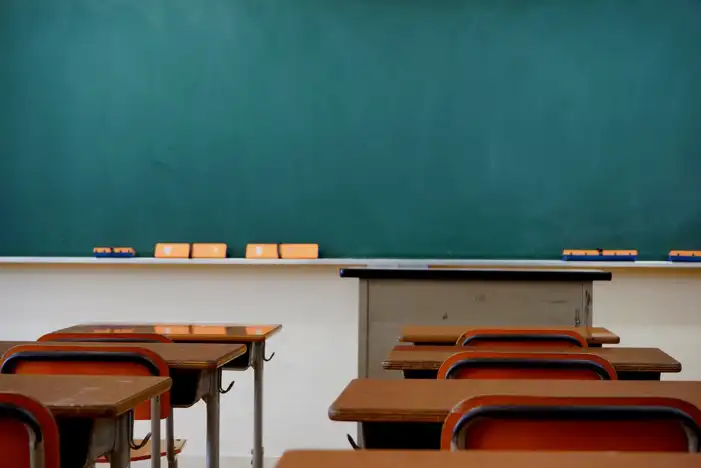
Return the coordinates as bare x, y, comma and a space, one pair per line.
377, 128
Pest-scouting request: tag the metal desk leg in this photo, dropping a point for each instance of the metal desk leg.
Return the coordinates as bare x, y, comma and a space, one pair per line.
156, 432
119, 456
258, 359
170, 441
212, 400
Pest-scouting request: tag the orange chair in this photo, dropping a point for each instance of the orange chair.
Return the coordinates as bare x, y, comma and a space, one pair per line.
28, 434
66, 359
526, 365
502, 422
527, 338
106, 337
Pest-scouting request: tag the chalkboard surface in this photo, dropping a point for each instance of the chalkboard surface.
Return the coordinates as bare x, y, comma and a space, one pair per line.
376, 128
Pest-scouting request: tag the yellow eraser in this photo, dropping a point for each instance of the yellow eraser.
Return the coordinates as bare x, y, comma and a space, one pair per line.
208, 250
172, 251
262, 251
305, 251
124, 250
102, 250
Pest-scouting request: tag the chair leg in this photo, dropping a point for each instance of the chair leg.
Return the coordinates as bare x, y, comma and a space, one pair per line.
170, 441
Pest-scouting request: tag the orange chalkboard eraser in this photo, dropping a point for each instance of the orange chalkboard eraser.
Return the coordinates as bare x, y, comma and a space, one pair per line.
301, 251
262, 251
601, 255
208, 250
619, 253
172, 250
580, 253
685, 256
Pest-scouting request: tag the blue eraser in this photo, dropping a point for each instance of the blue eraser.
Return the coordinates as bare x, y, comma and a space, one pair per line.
684, 259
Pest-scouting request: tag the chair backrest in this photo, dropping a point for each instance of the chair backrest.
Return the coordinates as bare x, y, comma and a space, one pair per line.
527, 338
28, 433
526, 365
66, 359
573, 423
107, 337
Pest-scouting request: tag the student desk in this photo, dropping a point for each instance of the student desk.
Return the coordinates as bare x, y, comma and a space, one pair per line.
409, 414
191, 367
483, 459
394, 297
449, 334
423, 362
91, 411
196, 374
253, 336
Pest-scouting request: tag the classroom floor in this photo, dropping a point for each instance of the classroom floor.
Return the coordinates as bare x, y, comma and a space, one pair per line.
199, 462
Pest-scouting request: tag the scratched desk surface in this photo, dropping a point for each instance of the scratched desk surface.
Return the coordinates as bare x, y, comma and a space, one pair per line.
449, 334
182, 332
86, 395
408, 357
387, 400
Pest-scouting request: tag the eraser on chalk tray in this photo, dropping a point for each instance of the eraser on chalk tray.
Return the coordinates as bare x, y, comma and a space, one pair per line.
201, 250
599, 255
685, 255
262, 251
300, 251
164, 250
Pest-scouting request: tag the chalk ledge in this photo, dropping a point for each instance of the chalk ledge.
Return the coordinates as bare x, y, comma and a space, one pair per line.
352, 262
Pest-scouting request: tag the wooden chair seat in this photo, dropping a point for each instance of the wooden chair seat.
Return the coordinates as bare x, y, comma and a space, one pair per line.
144, 453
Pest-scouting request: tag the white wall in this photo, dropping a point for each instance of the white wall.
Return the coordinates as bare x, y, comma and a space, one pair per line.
657, 310
316, 352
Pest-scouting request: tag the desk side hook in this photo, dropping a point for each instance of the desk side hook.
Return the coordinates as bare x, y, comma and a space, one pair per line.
352, 442
228, 389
